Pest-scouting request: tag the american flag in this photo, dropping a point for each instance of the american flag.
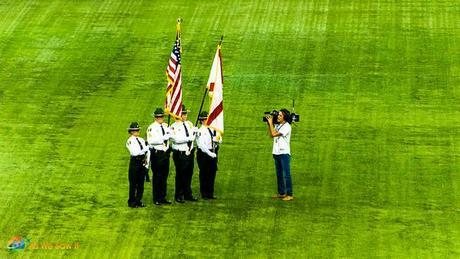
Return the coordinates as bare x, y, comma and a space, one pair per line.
173, 103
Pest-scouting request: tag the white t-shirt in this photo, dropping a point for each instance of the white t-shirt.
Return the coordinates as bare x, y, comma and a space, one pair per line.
281, 144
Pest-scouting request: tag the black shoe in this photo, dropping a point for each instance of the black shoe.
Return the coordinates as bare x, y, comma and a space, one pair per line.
157, 203
141, 205
212, 197
132, 205
180, 200
165, 202
191, 198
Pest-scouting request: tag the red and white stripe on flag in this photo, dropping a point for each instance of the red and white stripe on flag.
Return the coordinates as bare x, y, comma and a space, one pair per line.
215, 85
173, 103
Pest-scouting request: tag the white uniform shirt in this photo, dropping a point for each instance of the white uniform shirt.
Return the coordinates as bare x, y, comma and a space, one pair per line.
179, 136
205, 141
136, 146
281, 144
156, 138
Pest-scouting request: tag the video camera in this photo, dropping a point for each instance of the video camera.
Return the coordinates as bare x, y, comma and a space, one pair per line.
291, 117
274, 115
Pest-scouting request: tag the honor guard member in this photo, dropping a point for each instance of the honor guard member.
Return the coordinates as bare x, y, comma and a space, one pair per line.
158, 135
136, 174
183, 135
207, 143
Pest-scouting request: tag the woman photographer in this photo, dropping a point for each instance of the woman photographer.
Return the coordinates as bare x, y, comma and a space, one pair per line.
280, 131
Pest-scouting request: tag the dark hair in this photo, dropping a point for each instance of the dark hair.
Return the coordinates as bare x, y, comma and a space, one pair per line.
286, 115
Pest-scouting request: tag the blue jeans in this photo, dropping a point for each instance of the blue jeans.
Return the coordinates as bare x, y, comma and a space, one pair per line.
283, 165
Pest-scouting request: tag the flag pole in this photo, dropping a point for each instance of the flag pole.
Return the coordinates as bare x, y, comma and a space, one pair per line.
178, 32
206, 89
201, 106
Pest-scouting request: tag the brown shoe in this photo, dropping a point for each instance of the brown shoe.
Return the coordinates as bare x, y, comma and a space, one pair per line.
278, 196
288, 198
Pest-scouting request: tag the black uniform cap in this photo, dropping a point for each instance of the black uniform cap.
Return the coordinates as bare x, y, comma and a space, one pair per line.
159, 112
134, 127
184, 110
203, 115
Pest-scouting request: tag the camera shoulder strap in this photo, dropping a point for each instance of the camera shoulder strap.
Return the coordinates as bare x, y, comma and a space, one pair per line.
278, 127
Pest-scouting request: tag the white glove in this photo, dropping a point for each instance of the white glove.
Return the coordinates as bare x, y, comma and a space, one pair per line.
217, 139
166, 136
146, 165
213, 155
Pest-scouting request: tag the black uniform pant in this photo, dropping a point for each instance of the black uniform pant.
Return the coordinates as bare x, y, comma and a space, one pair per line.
208, 169
184, 171
136, 176
159, 162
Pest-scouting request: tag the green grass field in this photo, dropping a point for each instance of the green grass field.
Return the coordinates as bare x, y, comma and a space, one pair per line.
375, 158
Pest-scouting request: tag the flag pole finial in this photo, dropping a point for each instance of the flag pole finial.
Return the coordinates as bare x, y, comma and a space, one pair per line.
179, 22
221, 40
